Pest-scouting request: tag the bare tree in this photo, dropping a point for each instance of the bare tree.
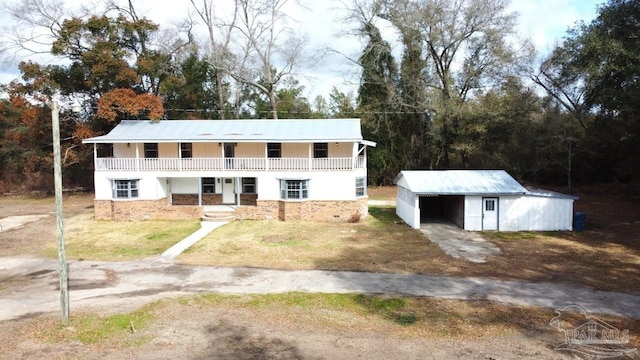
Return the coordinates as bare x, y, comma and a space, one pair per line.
255, 45
219, 38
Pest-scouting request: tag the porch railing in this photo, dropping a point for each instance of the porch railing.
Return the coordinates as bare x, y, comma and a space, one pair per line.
230, 164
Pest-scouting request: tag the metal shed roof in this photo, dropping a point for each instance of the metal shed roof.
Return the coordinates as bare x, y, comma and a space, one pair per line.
459, 182
290, 130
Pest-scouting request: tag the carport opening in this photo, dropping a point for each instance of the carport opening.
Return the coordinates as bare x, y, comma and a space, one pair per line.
442, 208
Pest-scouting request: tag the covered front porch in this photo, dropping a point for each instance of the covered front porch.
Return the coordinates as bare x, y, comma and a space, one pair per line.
213, 191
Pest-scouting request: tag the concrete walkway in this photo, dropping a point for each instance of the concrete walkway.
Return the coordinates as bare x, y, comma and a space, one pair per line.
206, 227
459, 243
30, 286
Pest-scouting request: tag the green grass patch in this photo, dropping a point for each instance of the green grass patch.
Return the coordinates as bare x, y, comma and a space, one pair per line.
94, 329
118, 241
383, 215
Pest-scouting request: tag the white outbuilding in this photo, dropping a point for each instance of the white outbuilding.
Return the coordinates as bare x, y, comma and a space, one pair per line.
480, 200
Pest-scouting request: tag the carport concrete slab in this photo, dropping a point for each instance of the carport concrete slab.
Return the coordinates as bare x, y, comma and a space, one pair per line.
459, 243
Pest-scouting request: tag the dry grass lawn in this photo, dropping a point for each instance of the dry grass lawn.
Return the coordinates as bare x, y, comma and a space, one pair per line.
382, 244
89, 239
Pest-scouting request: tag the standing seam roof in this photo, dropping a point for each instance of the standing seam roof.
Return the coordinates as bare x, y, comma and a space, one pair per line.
461, 182
233, 130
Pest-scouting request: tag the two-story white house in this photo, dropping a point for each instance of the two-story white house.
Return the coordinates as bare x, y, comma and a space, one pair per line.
312, 169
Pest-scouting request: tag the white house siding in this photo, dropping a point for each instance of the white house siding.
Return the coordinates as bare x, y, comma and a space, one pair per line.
149, 187
407, 207
185, 185
535, 213
473, 213
323, 186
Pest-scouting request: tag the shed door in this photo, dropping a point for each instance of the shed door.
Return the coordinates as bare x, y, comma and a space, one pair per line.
489, 213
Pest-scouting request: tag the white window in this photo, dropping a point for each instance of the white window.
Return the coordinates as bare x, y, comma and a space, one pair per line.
294, 189
361, 186
186, 150
248, 185
274, 150
320, 150
208, 185
151, 150
125, 189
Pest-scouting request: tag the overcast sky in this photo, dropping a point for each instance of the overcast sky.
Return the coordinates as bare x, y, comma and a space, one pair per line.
543, 21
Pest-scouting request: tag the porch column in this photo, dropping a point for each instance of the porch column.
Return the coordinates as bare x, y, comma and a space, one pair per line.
224, 160
137, 156
95, 156
238, 180
266, 156
310, 156
200, 191
179, 156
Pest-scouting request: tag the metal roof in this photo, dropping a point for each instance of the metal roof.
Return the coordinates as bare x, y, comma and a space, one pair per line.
290, 130
459, 182
550, 194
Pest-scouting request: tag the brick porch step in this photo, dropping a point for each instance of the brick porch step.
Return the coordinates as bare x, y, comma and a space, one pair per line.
219, 213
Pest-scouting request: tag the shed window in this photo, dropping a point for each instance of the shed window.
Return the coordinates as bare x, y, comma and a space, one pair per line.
490, 205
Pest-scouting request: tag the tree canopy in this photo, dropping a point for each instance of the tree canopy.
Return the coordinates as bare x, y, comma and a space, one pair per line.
442, 84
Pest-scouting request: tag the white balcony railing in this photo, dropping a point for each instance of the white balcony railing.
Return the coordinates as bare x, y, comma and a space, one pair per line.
230, 164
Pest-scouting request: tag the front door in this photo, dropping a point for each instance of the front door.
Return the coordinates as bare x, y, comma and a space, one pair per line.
489, 213
228, 193
229, 154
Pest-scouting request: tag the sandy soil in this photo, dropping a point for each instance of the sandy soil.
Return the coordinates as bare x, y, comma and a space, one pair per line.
193, 333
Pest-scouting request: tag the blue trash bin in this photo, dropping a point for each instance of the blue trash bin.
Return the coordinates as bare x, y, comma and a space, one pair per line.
579, 220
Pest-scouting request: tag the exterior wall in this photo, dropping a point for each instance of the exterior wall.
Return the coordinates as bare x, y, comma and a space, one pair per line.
185, 185
323, 186
150, 187
165, 150
206, 150
125, 151
473, 213
250, 150
535, 213
296, 150
454, 209
407, 207
304, 210
522, 213
143, 210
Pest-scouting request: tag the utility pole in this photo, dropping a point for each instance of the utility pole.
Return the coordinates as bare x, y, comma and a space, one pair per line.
57, 178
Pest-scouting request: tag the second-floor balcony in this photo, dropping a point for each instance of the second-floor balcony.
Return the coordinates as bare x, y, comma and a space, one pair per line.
231, 164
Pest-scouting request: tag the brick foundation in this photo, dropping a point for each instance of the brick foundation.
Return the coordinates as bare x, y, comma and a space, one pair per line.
192, 199
304, 210
143, 210
271, 209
